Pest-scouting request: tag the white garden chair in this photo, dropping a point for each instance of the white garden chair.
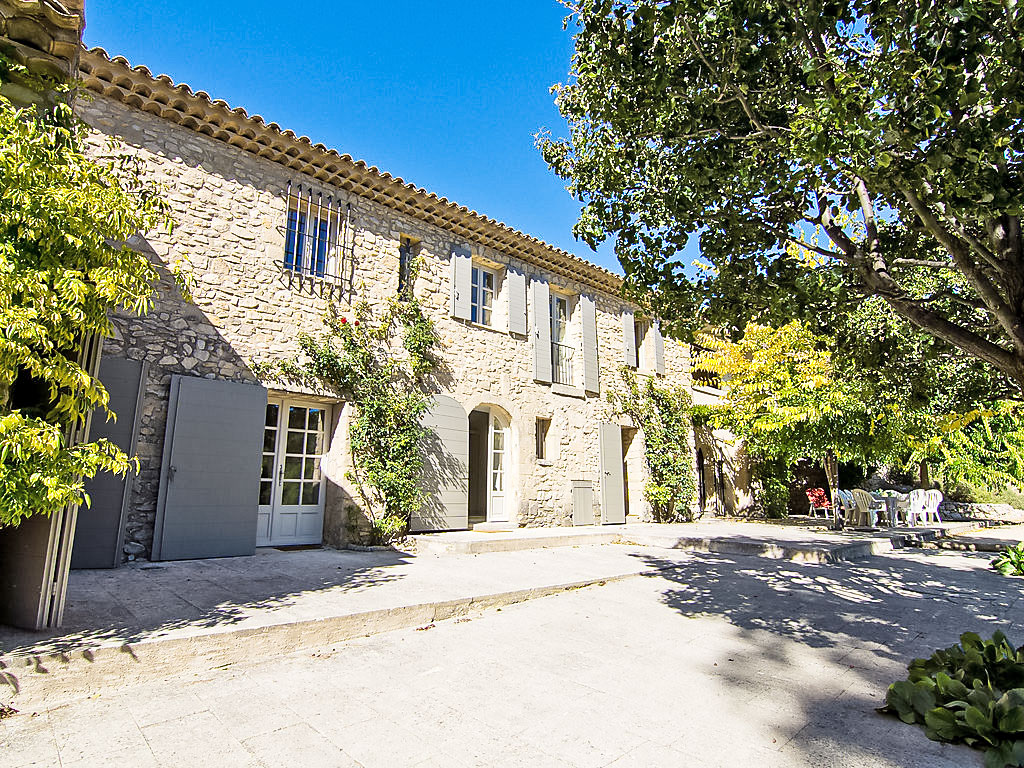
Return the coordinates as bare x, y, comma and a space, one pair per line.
869, 509
849, 506
933, 499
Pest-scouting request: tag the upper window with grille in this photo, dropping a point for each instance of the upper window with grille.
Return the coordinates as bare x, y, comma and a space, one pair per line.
314, 234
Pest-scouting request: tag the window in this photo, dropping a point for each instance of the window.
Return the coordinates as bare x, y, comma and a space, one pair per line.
314, 229
406, 254
640, 330
543, 428
561, 352
482, 295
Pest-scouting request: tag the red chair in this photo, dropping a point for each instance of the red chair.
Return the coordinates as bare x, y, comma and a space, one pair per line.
820, 503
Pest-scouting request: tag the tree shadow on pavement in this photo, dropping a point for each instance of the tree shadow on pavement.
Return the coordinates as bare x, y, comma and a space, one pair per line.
147, 600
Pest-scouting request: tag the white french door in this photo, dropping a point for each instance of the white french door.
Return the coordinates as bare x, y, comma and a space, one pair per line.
291, 507
497, 509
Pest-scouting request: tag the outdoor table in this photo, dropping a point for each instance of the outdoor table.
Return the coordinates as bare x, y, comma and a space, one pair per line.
890, 506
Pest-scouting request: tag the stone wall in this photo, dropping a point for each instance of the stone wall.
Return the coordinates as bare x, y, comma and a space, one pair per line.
229, 210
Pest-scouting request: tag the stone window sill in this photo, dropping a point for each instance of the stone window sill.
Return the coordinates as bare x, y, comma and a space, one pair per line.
567, 391
545, 462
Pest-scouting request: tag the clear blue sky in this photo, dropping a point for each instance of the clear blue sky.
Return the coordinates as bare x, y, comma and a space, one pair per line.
445, 95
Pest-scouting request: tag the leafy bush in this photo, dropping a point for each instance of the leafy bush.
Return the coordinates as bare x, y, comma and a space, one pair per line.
972, 692
1011, 561
666, 418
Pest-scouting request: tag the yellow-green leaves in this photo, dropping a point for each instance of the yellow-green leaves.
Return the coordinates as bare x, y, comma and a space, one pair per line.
62, 215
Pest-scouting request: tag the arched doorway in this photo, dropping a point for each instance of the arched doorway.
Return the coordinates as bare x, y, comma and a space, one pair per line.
489, 465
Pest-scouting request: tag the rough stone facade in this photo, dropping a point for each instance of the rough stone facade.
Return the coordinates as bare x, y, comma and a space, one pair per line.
229, 208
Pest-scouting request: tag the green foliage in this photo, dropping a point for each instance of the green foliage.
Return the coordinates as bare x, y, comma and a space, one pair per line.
664, 416
64, 219
972, 692
1011, 561
883, 138
357, 361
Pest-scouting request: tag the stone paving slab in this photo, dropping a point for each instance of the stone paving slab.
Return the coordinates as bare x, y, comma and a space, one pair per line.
719, 660
992, 539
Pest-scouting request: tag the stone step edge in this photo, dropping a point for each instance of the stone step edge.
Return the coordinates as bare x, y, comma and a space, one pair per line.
800, 553
424, 546
52, 678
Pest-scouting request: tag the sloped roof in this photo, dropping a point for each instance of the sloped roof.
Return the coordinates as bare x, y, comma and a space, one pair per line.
137, 87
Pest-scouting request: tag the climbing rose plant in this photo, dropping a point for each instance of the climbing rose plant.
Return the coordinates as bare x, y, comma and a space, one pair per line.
358, 361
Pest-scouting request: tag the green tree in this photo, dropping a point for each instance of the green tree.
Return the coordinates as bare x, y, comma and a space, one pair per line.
65, 216
885, 137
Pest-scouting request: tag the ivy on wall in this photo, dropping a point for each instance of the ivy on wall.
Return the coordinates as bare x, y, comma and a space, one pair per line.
358, 361
664, 415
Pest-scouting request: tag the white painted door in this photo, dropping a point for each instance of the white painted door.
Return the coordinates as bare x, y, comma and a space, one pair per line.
497, 509
291, 507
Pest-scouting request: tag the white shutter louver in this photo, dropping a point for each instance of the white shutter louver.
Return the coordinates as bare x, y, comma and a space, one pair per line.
629, 339
591, 372
517, 321
659, 349
541, 299
461, 276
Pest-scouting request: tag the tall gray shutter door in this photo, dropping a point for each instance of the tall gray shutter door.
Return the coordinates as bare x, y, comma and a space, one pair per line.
591, 372
100, 527
445, 479
516, 301
613, 486
462, 281
541, 299
210, 477
659, 349
628, 339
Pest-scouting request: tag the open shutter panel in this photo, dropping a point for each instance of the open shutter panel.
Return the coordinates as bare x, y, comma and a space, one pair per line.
516, 301
628, 339
591, 373
461, 278
541, 330
659, 349
444, 479
208, 498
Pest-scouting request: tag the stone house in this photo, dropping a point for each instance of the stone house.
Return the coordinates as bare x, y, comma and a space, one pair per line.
272, 230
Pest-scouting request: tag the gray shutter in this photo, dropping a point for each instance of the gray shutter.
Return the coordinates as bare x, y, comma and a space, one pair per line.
210, 477
613, 487
445, 478
99, 532
462, 280
591, 372
629, 339
516, 301
659, 349
541, 299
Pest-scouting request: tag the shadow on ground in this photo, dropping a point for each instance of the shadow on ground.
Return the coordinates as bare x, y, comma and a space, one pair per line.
825, 641
147, 600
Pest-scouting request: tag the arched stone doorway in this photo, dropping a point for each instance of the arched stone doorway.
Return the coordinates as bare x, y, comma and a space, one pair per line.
490, 466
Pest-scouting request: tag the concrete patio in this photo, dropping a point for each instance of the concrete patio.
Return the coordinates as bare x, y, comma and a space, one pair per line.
147, 620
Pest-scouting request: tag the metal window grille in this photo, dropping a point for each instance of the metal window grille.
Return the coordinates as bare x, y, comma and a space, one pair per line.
316, 230
561, 363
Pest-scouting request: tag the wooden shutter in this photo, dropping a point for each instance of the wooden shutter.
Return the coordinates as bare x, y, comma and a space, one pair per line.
629, 339
541, 330
461, 280
613, 494
517, 322
208, 499
591, 372
445, 478
99, 532
659, 349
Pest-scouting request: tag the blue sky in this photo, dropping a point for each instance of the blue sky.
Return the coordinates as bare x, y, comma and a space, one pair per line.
445, 95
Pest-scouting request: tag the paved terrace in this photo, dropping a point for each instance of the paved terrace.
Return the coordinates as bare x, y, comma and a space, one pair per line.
147, 620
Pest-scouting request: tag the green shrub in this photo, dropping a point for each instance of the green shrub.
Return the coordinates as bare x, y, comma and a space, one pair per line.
1011, 561
971, 693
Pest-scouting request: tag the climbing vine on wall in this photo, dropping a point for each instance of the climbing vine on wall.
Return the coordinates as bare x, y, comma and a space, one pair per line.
664, 416
358, 360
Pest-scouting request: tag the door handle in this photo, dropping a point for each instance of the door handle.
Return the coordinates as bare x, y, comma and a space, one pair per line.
170, 471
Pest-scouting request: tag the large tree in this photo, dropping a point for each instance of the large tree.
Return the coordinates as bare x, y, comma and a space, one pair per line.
822, 152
